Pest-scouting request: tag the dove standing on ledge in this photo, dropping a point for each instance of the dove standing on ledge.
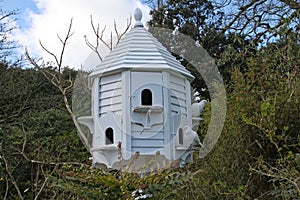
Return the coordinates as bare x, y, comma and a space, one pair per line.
191, 138
197, 108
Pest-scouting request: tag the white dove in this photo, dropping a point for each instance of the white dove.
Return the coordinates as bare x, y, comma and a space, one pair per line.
191, 138
197, 108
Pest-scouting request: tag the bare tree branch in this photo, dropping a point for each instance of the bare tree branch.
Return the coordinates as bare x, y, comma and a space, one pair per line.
263, 19
50, 53
100, 37
6, 189
239, 14
119, 36
64, 45
59, 61
56, 80
9, 172
273, 175
94, 48
41, 189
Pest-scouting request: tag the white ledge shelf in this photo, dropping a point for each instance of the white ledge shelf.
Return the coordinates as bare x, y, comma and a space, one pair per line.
105, 148
144, 108
198, 119
184, 148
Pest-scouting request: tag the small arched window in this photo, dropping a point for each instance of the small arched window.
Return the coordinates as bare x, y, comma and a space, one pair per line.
180, 136
147, 97
109, 136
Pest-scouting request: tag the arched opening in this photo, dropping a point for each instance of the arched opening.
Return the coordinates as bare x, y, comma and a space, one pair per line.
147, 97
180, 136
109, 136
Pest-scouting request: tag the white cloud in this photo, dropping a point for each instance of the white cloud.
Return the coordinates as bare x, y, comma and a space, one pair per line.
54, 17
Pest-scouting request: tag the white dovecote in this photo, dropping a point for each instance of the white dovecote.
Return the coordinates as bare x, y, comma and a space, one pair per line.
141, 105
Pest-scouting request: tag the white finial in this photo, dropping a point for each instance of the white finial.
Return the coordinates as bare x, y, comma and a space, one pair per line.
138, 15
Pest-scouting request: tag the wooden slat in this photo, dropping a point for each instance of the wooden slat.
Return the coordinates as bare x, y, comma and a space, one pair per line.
147, 135
110, 93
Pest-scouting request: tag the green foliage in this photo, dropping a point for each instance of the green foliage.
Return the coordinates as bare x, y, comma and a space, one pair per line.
45, 141
85, 183
36, 133
23, 91
193, 18
257, 153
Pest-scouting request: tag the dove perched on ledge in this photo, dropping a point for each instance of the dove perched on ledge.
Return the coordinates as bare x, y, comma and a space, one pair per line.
197, 108
191, 138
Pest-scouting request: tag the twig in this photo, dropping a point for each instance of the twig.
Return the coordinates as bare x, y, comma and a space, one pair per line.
55, 79
280, 177
99, 37
41, 189
6, 189
10, 174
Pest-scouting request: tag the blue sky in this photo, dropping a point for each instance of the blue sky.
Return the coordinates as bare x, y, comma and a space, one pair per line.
19, 4
22, 6
43, 20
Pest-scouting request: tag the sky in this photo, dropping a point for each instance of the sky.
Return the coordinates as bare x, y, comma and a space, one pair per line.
45, 20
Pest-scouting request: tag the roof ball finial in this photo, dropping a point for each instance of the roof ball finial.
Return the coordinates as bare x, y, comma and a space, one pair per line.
138, 15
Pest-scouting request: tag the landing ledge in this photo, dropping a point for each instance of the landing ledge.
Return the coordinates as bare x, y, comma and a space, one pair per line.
146, 108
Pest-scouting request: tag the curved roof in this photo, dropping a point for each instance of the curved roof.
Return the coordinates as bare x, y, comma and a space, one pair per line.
139, 49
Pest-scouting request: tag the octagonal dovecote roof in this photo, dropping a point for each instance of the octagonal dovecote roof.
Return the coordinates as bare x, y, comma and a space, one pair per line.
139, 49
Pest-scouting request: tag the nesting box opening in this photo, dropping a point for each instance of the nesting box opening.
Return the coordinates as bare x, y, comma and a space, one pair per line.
180, 136
146, 97
109, 136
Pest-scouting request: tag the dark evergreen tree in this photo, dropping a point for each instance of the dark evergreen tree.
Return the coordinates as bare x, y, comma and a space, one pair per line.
203, 22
